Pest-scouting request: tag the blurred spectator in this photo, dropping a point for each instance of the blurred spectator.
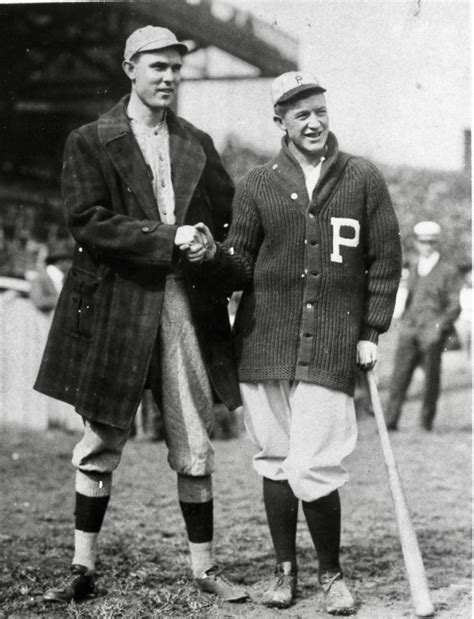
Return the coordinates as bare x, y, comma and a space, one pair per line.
47, 284
432, 306
23, 331
464, 322
23, 335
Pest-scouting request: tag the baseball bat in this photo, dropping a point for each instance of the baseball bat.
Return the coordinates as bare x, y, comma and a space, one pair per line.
411, 552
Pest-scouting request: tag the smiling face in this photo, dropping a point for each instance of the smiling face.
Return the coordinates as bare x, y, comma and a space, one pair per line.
155, 77
306, 122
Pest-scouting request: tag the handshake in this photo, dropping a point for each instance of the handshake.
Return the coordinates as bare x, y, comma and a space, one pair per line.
195, 242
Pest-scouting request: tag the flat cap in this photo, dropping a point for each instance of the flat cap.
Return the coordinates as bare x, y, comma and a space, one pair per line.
427, 229
151, 38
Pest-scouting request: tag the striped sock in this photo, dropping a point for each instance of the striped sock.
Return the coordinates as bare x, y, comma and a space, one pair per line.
92, 497
195, 499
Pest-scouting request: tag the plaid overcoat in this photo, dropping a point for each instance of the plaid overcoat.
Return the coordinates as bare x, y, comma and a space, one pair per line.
106, 321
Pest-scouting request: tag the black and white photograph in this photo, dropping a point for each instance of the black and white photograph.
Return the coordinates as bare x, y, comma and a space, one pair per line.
236, 309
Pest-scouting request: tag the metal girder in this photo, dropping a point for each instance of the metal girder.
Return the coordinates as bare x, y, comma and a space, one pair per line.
50, 45
61, 64
221, 25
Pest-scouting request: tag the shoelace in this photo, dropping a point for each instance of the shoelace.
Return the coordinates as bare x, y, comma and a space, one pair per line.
69, 581
327, 586
215, 573
282, 578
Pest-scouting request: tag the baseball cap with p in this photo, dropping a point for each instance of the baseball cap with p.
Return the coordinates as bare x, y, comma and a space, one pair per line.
289, 84
151, 38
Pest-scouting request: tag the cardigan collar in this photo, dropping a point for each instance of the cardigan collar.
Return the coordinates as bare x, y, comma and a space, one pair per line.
288, 175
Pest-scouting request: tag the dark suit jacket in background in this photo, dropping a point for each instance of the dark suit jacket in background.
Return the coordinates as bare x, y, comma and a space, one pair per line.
432, 304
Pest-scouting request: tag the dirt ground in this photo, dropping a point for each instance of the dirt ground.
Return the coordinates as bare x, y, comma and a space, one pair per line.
144, 569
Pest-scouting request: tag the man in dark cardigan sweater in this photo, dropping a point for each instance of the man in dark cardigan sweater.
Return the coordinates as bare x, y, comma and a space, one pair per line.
315, 247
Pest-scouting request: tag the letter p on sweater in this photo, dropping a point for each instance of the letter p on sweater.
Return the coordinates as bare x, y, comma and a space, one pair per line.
337, 240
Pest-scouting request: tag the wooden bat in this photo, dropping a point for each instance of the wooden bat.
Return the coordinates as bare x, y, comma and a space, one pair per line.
411, 553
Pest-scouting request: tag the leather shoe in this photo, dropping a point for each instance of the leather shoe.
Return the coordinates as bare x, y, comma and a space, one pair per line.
212, 581
75, 587
338, 598
283, 590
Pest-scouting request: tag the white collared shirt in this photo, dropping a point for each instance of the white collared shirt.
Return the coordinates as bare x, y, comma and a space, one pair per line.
311, 176
426, 264
155, 146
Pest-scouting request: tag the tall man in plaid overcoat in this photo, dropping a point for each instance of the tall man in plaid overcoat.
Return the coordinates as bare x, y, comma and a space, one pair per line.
134, 311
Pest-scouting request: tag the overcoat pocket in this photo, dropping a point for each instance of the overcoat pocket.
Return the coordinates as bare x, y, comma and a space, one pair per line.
78, 305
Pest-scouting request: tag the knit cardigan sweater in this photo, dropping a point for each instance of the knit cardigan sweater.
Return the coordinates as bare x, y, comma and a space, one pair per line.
317, 274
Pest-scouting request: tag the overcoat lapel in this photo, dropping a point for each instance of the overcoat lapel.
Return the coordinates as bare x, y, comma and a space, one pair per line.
187, 160
187, 164
116, 135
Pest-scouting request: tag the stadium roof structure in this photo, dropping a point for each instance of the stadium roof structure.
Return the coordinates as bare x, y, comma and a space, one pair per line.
61, 53
61, 64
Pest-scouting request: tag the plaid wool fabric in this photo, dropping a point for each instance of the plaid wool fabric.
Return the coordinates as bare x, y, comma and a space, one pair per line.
106, 321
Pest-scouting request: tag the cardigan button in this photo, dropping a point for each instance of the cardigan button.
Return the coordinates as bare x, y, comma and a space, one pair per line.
311, 216
294, 196
274, 166
309, 305
129, 190
145, 229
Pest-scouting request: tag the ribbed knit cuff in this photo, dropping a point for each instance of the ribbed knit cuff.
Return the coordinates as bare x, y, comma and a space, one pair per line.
369, 334
217, 260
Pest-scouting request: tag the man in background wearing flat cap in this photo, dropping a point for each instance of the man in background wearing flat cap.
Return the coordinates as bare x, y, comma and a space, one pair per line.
431, 309
134, 312
315, 247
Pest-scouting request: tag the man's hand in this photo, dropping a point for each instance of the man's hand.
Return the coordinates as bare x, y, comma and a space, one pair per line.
186, 236
207, 240
191, 242
366, 355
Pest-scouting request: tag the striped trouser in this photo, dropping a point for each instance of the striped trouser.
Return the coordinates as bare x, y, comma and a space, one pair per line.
186, 400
